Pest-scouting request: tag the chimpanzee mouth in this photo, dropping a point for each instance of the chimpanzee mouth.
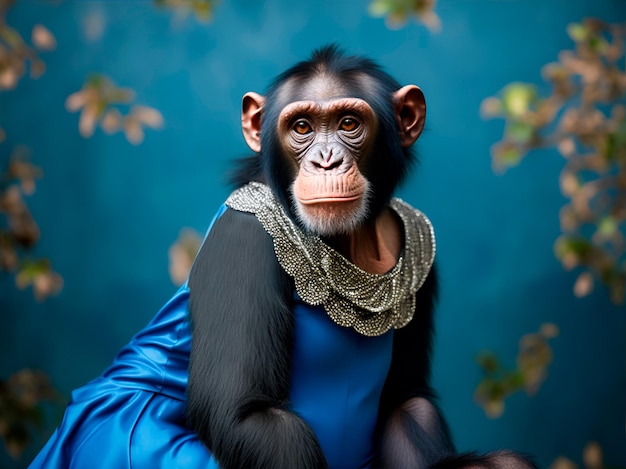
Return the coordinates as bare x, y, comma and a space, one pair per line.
330, 199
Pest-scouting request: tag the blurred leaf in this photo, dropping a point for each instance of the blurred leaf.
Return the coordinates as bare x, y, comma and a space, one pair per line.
182, 254
99, 103
133, 130
398, 12
379, 8
577, 31
578, 246
147, 116
549, 330
520, 132
506, 154
112, 121
555, 71
42, 38
563, 463
202, 9
517, 99
11, 37
533, 358
592, 456
569, 183
491, 107
39, 275
598, 44
488, 361
608, 226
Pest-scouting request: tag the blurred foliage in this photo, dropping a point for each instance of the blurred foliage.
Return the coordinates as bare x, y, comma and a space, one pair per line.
202, 9
23, 398
592, 459
24, 394
182, 254
15, 53
533, 358
100, 102
18, 230
398, 12
584, 119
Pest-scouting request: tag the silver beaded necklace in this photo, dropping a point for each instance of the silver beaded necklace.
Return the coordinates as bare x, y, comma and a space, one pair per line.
369, 303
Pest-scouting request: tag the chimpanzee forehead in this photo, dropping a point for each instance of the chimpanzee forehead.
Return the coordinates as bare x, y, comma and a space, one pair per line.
325, 87
326, 110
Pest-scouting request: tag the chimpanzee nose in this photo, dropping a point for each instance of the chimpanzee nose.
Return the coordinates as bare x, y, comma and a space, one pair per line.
326, 159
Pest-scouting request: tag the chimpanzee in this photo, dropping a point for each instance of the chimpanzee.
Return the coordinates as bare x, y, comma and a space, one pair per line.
302, 338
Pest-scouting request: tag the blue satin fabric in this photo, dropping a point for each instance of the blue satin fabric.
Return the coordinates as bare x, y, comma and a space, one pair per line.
134, 414
337, 378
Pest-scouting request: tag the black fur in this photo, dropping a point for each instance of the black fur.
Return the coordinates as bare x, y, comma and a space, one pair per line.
409, 377
409, 374
241, 352
496, 460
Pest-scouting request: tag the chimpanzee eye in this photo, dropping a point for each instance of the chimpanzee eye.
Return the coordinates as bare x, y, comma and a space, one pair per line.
302, 127
348, 124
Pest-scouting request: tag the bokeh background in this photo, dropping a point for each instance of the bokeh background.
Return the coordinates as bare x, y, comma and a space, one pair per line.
110, 206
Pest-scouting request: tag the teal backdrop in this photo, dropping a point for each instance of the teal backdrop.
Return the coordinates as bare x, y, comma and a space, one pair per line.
108, 210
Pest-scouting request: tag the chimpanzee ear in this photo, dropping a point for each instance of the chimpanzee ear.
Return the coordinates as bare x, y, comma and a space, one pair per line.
251, 112
410, 113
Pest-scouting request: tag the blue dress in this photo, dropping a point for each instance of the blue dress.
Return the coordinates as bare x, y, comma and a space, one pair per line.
134, 414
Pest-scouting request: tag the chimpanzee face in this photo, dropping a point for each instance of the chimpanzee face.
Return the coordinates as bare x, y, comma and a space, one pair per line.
328, 142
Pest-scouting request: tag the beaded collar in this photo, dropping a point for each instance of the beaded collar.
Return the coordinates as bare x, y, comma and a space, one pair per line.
369, 303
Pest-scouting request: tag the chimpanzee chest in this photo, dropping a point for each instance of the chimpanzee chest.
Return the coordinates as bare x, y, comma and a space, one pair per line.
337, 378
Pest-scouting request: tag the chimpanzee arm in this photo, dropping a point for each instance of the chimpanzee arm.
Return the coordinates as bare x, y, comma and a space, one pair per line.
241, 352
414, 433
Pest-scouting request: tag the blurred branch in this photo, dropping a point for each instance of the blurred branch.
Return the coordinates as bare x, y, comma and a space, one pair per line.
398, 12
99, 102
22, 412
18, 230
584, 118
15, 53
533, 358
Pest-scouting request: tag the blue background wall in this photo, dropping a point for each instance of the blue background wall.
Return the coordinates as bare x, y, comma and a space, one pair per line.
109, 211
